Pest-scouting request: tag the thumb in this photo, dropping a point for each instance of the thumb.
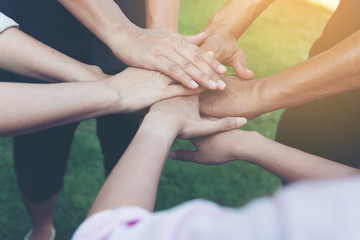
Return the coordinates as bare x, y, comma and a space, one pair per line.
241, 70
207, 127
185, 155
176, 90
196, 39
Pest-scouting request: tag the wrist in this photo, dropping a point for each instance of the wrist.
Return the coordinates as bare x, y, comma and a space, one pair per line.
273, 93
250, 149
160, 124
122, 37
220, 26
251, 103
96, 73
162, 23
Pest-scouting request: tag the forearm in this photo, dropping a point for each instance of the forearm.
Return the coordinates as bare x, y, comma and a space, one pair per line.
104, 18
31, 107
21, 54
235, 16
291, 164
334, 71
162, 14
134, 180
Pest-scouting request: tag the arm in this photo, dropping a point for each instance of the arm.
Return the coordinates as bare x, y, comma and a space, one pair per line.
32, 107
288, 163
334, 71
21, 54
235, 16
153, 49
134, 180
226, 26
162, 14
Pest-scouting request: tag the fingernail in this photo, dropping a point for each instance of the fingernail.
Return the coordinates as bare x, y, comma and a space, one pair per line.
222, 68
172, 155
194, 84
213, 84
222, 84
210, 53
241, 121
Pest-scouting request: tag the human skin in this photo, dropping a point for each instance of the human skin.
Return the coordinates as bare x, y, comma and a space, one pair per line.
162, 14
288, 163
226, 26
85, 91
333, 71
33, 107
152, 49
134, 180
22, 54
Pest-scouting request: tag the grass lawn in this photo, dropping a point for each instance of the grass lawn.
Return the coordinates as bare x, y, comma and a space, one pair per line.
280, 37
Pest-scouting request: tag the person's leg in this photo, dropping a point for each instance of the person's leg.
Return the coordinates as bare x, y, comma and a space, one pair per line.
40, 161
324, 128
41, 218
115, 133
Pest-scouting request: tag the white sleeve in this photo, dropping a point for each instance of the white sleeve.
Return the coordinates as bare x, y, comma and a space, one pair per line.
6, 22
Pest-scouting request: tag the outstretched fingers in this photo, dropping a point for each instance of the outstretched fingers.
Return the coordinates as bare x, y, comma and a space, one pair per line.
189, 64
173, 70
201, 66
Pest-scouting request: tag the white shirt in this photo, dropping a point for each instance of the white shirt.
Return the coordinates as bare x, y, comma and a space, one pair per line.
318, 210
6, 22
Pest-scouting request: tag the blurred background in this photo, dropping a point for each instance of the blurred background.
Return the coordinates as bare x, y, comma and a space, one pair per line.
280, 37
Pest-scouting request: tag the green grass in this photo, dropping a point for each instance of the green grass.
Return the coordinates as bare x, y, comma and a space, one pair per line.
280, 37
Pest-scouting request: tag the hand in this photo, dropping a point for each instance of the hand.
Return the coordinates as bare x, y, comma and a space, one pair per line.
183, 114
219, 148
240, 98
139, 88
227, 51
95, 73
171, 54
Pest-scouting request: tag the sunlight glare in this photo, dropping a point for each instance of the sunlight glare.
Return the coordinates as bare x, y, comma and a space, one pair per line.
329, 4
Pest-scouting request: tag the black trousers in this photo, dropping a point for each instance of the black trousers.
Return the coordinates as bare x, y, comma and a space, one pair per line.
329, 128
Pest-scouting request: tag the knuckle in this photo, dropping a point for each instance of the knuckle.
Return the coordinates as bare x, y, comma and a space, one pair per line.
229, 123
173, 67
173, 37
197, 58
186, 65
202, 77
214, 76
199, 51
155, 51
182, 41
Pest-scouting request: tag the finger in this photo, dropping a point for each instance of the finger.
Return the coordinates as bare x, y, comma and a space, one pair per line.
173, 70
207, 127
180, 90
241, 68
200, 58
185, 155
209, 57
203, 62
187, 67
196, 39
